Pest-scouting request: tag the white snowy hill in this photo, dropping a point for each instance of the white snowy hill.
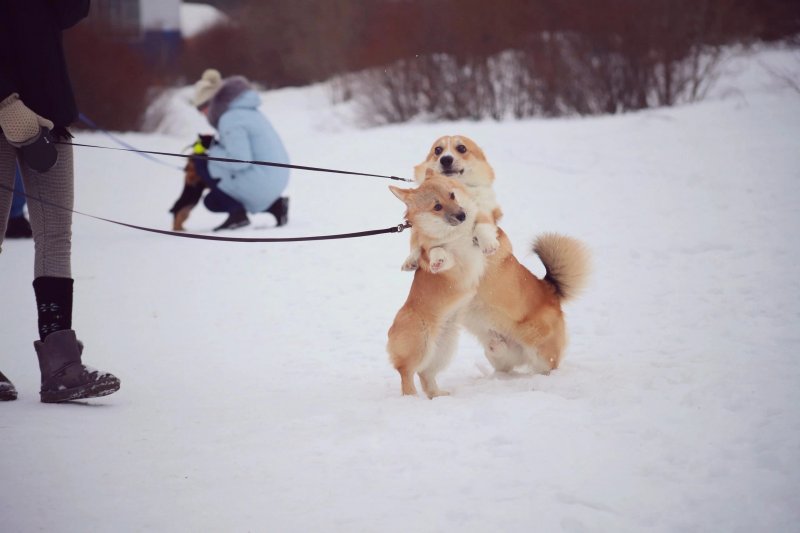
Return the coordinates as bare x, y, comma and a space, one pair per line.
256, 391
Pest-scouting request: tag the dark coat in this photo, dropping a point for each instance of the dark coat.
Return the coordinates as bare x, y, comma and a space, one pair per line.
32, 56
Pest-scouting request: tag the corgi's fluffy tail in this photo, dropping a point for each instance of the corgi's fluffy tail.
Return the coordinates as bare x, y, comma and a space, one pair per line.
566, 261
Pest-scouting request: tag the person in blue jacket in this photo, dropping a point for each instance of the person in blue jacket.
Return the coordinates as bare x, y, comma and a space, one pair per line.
244, 133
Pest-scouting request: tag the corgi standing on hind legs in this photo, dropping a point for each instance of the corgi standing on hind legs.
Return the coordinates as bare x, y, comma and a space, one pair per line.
515, 315
446, 223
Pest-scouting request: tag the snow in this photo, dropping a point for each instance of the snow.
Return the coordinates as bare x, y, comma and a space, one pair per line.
196, 18
256, 390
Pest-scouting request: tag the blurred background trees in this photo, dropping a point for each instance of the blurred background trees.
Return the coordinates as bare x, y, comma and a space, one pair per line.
446, 59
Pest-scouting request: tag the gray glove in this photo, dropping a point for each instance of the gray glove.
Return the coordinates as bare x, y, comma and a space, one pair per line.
29, 132
20, 125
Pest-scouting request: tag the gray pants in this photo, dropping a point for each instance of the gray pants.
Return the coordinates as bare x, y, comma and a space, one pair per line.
52, 226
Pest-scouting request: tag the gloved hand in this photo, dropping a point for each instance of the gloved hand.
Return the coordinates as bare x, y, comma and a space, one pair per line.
20, 125
29, 132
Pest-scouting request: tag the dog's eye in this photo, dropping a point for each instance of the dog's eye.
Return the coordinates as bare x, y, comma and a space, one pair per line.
437, 150
452, 196
461, 148
437, 207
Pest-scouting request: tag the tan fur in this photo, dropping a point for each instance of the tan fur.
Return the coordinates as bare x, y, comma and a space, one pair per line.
516, 316
190, 179
424, 333
469, 166
180, 217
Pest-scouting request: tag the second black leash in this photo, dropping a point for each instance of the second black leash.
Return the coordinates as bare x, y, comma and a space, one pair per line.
229, 160
394, 229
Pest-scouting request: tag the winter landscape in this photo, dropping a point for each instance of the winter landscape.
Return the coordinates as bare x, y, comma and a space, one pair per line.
256, 390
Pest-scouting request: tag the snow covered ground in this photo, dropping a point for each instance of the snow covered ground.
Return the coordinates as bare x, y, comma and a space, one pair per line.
256, 391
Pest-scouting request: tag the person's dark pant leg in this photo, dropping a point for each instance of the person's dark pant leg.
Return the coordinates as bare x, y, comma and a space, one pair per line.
219, 202
216, 200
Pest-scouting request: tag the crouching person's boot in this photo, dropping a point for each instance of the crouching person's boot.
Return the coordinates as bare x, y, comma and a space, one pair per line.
7, 390
64, 377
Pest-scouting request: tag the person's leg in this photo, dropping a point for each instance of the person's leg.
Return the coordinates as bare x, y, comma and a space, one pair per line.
8, 163
218, 201
50, 201
8, 160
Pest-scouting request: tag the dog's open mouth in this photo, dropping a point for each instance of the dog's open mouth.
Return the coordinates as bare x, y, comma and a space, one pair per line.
452, 171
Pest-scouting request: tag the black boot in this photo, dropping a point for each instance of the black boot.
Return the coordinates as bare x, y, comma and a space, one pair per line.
18, 228
236, 219
7, 390
64, 377
280, 210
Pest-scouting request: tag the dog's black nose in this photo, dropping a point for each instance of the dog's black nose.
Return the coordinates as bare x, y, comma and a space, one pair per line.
446, 161
461, 216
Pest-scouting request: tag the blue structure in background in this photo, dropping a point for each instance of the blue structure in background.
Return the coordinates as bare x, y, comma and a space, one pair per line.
152, 27
18, 200
160, 47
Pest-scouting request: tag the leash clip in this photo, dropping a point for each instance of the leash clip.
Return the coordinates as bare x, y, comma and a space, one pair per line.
404, 225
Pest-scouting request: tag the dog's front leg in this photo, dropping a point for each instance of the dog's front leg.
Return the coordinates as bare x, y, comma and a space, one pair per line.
485, 235
412, 261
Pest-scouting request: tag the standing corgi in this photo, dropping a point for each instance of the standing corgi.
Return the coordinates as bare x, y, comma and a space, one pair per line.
446, 222
515, 315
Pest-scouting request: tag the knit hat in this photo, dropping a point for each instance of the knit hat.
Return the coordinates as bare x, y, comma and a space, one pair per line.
206, 87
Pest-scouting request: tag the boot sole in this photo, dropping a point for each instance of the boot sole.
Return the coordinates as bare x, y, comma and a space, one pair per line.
102, 387
233, 226
8, 396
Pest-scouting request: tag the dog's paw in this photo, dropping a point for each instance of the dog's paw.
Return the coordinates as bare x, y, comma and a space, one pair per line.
490, 247
436, 266
409, 266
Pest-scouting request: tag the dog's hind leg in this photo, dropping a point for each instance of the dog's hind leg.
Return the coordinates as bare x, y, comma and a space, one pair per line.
442, 353
504, 353
409, 345
407, 381
544, 338
550, 352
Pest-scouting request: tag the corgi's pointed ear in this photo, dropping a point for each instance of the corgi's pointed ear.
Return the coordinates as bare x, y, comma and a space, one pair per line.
400, 193
420, 172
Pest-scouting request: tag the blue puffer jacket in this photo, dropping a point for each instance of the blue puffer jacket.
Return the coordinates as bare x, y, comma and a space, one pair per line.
246, 134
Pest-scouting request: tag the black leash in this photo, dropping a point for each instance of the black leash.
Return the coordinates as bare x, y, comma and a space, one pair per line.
394, 229
228, 160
